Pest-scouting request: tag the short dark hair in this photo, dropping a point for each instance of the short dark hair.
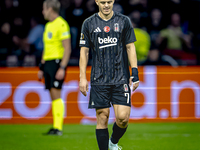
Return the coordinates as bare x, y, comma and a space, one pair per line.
54, 4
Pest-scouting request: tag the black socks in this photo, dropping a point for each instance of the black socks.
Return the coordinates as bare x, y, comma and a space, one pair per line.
117, 133
102, 136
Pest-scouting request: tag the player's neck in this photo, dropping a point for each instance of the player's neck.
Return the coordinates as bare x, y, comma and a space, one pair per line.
53, 17
106, 17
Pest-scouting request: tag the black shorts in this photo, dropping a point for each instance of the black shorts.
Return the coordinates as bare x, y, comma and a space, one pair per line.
102, 96
50, 69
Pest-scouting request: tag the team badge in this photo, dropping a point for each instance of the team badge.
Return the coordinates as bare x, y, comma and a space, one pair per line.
82, 41
57, 61
116, 27
56, 83
107, 29
65, 33
82, 36
125, 87
49, 35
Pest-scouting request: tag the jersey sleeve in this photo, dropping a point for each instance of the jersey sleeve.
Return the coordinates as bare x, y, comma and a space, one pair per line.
84, 38
64, 31
128, 32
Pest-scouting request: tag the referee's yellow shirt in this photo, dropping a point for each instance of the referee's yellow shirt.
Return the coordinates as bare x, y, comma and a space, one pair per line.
55, 32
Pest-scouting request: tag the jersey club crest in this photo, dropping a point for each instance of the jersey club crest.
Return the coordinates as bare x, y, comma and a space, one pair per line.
116, 27
107, 29
125, 87
49, 35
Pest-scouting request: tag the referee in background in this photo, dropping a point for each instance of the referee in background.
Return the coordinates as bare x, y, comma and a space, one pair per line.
55, 57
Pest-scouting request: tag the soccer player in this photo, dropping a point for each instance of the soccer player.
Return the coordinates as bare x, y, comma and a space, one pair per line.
110, 36
56, 54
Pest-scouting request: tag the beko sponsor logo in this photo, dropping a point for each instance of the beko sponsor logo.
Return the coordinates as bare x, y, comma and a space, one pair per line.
109, 41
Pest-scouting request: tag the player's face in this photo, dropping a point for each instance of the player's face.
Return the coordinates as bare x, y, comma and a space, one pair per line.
46, 11
105, 6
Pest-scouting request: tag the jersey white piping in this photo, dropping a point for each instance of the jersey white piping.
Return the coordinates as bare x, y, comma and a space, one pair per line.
107, 45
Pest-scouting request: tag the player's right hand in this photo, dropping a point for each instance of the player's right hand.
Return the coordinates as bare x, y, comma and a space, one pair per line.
133, 84
83, 86
40, 74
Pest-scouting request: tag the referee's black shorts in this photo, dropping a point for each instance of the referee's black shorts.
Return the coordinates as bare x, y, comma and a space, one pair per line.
102, 96
50, 69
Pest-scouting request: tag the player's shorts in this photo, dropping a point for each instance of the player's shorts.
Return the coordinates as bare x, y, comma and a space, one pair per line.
50, 69
102, 96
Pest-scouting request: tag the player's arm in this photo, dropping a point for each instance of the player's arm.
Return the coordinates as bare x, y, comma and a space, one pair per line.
83, 85
41, 67
67, 52
65, 37
63, 64
133, 63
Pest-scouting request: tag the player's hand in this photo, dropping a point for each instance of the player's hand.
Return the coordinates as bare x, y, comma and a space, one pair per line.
83, 86
135, 84
40, 74
60, 74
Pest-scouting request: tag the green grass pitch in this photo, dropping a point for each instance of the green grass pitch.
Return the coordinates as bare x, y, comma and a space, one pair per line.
139, 136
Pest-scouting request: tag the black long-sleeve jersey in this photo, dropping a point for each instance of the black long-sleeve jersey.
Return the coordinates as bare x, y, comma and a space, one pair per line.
107, 40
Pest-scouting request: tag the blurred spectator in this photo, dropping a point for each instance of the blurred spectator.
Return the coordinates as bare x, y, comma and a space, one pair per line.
144, 8
143, 39
33, 43
65, 4
20, 28
174, 42
75, 16
90, 8
118, 7
6, 43
20, 31
155, 58
135, 17
140, 5
35, 38
8, 11
155, 25
193, 25
132, 6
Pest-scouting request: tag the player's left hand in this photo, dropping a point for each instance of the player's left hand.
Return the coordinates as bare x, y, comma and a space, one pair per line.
83, 86
40, 74
60, 74
135, 84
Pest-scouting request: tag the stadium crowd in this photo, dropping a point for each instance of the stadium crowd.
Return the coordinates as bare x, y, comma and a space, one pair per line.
167, 31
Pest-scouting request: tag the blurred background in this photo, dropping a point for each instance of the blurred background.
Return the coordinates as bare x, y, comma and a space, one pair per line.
167, 31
